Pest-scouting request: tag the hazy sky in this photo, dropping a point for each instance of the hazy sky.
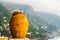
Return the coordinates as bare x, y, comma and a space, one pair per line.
52, 6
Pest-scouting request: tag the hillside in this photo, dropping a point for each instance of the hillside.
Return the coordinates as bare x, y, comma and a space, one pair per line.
40, 22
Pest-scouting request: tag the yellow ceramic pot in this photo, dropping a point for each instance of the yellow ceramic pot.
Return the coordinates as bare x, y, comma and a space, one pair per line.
18, 24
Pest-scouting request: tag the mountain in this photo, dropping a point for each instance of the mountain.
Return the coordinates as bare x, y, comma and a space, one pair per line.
40, 22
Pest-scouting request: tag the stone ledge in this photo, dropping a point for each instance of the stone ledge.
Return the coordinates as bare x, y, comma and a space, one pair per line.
6, 38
